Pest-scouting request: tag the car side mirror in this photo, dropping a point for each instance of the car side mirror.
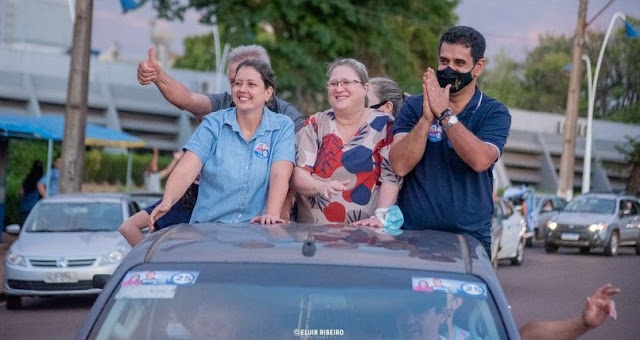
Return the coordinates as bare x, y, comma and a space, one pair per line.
100, 280
13, 229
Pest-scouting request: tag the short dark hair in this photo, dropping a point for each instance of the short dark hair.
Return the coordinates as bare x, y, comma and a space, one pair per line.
468, 37
266, 73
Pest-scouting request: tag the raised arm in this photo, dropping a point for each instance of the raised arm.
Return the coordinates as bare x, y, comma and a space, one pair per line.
174, 161
179, 181
407, 148
150, 71
153, 166
596, 310
478, 154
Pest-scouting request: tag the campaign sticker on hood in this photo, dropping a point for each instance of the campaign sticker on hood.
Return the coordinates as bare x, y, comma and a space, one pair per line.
438, 285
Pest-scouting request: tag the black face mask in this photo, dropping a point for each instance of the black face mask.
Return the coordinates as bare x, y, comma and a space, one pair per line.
457, 80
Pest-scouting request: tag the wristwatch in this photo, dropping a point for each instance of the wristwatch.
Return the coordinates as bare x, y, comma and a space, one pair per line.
446, 113
453, 120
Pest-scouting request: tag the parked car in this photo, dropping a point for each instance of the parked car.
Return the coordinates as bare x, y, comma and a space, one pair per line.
298, 281
145, 198
546, 206
514, 236
65, 242
589, 221
496, 237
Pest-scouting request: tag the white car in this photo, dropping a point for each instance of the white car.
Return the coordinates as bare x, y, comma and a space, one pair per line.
66, 241
514, 232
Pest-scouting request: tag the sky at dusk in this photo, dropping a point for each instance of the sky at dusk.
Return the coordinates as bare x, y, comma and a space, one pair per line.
512, 25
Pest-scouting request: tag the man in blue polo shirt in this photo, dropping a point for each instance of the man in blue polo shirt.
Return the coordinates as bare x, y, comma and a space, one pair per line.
447, 140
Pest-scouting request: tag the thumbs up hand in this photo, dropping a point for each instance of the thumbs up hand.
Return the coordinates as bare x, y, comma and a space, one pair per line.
149, 70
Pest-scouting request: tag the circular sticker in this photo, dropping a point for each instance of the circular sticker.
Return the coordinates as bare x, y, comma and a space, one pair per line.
182, 278
472, 289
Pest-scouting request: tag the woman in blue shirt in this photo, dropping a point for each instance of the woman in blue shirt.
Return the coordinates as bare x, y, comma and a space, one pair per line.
236, 152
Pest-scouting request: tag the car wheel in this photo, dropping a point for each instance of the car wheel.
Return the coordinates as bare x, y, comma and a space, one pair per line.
550, 248
519, 258
612, 248
638, 247
585, 250
14, 302
529, 242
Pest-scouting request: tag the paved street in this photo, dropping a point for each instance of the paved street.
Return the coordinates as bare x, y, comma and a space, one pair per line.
555, 286
545, 287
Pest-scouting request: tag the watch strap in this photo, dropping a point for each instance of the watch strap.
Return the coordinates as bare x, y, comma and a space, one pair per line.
446, 113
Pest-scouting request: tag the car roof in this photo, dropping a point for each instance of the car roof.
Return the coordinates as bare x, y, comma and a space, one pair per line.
609, 195
86, 197
335, 244
548, 196
145, 193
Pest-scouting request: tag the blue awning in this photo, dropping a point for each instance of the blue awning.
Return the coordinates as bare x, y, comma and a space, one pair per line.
51, 127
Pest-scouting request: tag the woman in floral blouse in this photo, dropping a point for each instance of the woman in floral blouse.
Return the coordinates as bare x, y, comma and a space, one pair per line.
342, 171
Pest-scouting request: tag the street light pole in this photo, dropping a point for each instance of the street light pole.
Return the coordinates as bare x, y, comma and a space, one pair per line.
591, 96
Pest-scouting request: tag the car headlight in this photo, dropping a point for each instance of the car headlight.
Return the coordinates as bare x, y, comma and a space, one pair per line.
15, 259
112, 257
597, 227
552, 225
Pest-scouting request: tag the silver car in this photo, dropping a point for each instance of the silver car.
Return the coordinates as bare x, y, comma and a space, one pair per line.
589, 221
66, 240
545, 207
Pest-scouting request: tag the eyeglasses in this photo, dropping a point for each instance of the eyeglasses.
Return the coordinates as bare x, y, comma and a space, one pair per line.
333, 84
379, 105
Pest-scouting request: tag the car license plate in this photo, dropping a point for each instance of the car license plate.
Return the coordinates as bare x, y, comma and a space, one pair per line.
570, 236
63, 277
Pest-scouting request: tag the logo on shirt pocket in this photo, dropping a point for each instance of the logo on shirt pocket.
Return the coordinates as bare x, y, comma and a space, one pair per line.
262, 150
435, 133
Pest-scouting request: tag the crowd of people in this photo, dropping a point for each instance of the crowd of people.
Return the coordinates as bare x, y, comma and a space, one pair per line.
253, 157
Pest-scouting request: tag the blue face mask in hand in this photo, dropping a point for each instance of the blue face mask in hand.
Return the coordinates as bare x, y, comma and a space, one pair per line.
392, 219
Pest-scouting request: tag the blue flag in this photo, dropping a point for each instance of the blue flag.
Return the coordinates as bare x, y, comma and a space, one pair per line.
632, 32
128, 5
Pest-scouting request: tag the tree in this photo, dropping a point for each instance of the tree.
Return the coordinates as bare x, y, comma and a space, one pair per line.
540, 83
395, 38
632, 155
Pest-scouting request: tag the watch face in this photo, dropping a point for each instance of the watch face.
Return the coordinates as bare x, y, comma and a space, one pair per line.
452, 121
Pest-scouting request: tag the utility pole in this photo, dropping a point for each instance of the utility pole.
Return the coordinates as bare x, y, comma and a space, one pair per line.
567, 162
76, 108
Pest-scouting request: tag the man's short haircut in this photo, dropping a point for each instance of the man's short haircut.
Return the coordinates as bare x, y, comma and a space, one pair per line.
241, 53
468, 37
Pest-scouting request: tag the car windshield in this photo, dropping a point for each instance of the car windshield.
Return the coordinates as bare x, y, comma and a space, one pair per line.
290, 301
75, 216
592, 205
